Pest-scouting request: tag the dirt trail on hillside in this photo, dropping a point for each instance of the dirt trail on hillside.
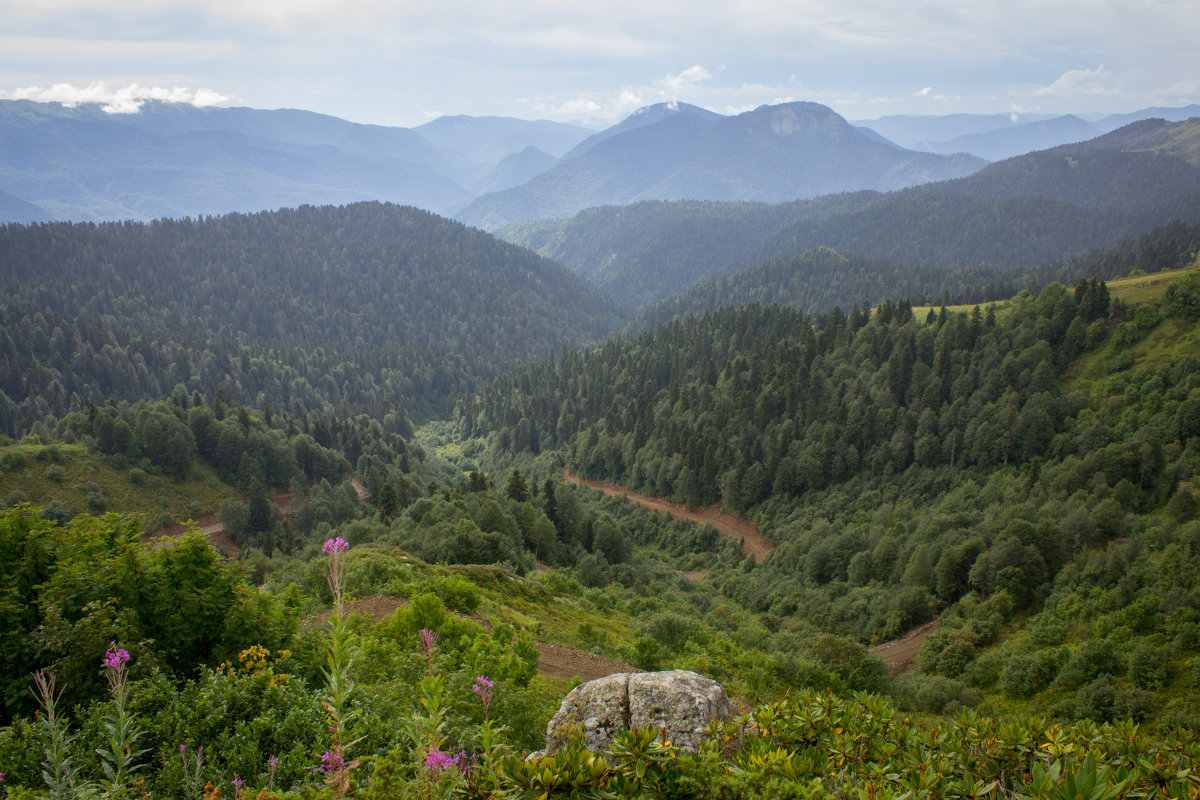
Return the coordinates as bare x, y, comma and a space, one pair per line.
900, 654
210, 525
562, 662
728, 525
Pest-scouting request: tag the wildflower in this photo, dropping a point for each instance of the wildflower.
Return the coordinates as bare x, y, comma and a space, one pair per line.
436, 761
115, 657
332, 762
429, 640
483, 689
337, 545
236, 783
272, 764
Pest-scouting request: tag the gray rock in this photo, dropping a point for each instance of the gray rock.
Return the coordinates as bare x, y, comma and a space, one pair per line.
679, 703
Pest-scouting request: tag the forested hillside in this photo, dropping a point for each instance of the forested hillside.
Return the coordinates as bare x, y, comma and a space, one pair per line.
645, 252
965, 464
821, 279
367, 309
1010, 217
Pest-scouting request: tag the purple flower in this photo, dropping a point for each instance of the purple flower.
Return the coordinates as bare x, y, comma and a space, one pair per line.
272, 764
436, 761
332, 761
337, 545
236, 783
182, 749
115, 657
483, 688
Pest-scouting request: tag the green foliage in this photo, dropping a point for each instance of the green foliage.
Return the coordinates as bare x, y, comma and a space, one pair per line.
70, 591
1182, 299
167, 315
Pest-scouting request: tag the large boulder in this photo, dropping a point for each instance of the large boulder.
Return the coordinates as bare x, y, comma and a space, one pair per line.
679, 703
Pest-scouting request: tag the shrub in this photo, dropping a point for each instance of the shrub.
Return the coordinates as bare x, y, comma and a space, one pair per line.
1104, 700
58, 512
935, 694
137, 476
1093, 658
458, 594
1024, 676
1149, 666
13, 461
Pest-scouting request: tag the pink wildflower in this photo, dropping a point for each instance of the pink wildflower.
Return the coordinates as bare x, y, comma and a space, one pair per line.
483, 689
337, 545
436, 761
115, 657
332, 762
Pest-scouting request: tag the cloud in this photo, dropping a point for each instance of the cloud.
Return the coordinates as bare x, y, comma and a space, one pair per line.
924, 92
690, 77
126, 100
1078, 82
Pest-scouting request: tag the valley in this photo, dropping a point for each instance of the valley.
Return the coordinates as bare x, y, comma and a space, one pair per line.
900, 447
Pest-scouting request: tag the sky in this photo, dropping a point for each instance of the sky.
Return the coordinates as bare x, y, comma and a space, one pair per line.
401, 62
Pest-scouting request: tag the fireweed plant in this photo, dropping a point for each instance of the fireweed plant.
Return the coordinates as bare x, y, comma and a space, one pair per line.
118, 755
338, 684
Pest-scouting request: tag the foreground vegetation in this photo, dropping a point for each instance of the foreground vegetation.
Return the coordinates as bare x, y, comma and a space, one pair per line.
430, 704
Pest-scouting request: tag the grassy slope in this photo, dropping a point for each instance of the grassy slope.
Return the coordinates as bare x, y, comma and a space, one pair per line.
67, 473
1132, 289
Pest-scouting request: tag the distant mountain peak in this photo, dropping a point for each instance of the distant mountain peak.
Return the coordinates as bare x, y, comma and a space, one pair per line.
787, 119
671, 107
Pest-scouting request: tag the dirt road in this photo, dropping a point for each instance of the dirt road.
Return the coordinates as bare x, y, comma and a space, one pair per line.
900, 654
752, 541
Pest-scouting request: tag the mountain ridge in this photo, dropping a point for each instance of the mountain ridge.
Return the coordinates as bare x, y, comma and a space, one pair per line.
771, 154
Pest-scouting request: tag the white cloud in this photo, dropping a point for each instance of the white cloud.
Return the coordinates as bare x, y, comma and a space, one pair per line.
692, 76
923, 92
1077, 82
125, 100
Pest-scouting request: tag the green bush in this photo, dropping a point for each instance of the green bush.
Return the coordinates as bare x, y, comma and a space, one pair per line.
12, 461
1104, 700
1024, 675
935, 694
1093, 658
1149, 666
458, 594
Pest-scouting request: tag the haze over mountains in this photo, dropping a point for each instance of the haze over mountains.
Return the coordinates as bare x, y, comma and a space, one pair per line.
771, 154
1000, 136
174, 160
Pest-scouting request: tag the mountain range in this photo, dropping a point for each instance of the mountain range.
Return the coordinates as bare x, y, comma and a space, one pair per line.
681, 152
1010, 217
175, 160
1000, 136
